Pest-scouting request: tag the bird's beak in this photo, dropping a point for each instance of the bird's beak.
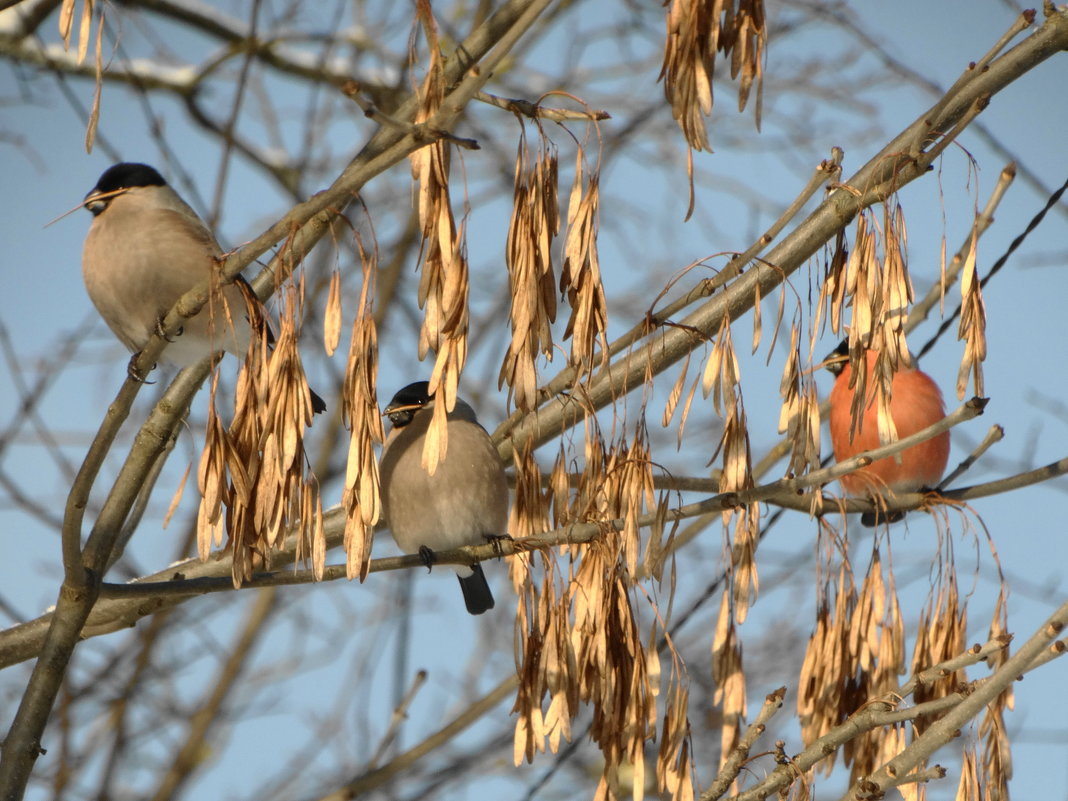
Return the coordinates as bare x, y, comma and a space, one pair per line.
401, 414
835, 360
834, 363
407, 407
93, 198
96, 199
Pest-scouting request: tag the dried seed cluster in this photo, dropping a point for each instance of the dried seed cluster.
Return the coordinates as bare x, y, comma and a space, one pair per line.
579, 635
878, 291
257, 468
443, 284
534, 225
361, 499
580, 279
696, 31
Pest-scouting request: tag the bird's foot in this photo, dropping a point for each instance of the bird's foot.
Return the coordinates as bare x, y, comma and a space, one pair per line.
496, 539
428, 557
161, 332
934, 497
134, 372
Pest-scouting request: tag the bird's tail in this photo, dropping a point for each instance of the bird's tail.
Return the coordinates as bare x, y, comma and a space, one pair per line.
477, 593
874, 519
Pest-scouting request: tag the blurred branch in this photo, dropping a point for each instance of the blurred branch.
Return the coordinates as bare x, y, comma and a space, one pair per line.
400, 714
378, 776
185, 80
118, 716
190, 754
84, 570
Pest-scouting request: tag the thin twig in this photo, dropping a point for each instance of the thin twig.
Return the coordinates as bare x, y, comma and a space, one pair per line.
396, 720
1051, 202
537, 111
921, 309
993, 435
738, 755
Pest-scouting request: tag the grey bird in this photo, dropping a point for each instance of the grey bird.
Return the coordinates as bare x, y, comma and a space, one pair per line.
145, 249
465, 502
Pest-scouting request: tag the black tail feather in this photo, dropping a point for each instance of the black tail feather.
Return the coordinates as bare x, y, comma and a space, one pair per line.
873, 519
476, 591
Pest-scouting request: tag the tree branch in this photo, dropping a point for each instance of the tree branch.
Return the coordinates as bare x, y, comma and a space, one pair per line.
899, 163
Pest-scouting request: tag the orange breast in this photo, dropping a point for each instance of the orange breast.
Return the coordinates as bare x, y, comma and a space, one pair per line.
915, 404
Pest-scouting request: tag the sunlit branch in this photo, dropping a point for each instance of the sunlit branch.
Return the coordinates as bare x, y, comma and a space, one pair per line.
941, 731
824, 171
536, 111
738, 756
884, 712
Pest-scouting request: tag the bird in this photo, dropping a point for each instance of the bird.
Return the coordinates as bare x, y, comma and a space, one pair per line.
145, 249
915, 404
465, 501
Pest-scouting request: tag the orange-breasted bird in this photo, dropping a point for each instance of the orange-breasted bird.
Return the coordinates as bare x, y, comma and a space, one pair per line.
915, 404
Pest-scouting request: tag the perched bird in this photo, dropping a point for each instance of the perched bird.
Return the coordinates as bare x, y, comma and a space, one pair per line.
465, 501
915, 404
145, 249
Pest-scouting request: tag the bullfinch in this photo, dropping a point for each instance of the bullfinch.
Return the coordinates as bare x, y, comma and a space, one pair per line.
145, 249
465, 501
915, 404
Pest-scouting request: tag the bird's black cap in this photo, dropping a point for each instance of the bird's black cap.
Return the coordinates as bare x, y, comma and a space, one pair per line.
836, 360
407, 402
128, 175
122, 176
